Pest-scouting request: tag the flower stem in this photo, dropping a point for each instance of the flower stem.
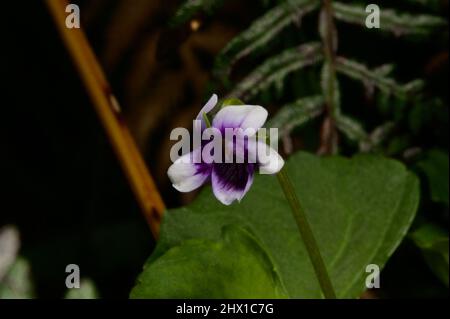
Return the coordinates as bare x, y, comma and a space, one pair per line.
206, 119
307, 235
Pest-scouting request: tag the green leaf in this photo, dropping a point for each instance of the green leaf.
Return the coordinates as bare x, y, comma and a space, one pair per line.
352, 129
9, 247
390, 20
377, 137
359, 210
17, 284
87, 290
231, 101
435, 166
398, 145
384, 70
234, 266
434, 244
191, 7
296, 114
277, 68
375, 78
262, 31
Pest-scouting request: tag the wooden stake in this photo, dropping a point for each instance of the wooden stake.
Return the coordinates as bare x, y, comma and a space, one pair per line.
109, 112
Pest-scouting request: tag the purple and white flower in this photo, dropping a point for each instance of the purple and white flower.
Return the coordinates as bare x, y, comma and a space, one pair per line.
231, 180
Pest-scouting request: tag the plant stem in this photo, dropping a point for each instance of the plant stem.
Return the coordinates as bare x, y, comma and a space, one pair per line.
307, 235
329, 36
328, 43
206, 119
328, 39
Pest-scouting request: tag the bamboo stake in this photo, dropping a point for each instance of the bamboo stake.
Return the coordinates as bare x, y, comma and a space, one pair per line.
109, 112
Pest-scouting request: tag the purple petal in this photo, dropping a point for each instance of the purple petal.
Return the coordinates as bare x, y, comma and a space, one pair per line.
187, 176
231, 182
240, 116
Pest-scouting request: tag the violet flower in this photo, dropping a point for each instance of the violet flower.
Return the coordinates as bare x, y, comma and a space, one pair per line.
230, 180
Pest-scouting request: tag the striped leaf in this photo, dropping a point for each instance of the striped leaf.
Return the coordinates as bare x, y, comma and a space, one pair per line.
377, 137
376, 78
354, 131
277, 68
296, 114
262, 31
390, 20
351, 128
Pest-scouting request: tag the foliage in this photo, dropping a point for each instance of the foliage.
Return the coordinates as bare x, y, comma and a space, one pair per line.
350, 225
275, 69
87, 290
361, 208
392, 21
435, 166
296, 114
261, 32
198, 268
16, 280
17, 283
434, 244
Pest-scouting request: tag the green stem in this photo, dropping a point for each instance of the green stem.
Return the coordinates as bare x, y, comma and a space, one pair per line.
330, 54
206, 119
307, 235
330, 85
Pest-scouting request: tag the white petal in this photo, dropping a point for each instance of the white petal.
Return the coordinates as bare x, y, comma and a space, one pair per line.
270, 162
185, 175
208, 106
243, 116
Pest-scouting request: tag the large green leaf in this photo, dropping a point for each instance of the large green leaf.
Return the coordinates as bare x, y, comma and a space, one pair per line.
235, 266
359, 209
